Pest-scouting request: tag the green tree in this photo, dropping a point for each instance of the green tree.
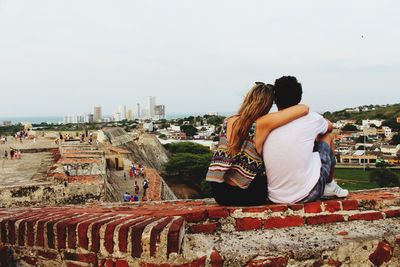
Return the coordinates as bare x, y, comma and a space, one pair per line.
384, 177
349, 127
189, 130
187, 147
189, 167
395, 140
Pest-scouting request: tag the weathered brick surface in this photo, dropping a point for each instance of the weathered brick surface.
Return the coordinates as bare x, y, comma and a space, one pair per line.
119, 234
278, 222
245, 224
382, 254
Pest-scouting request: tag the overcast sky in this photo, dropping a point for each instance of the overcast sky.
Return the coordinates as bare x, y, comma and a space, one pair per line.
65, 56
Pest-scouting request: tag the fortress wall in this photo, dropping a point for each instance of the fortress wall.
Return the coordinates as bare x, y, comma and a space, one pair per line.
362, 230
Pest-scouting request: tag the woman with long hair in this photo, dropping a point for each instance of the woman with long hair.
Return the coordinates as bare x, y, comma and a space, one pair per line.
236, 173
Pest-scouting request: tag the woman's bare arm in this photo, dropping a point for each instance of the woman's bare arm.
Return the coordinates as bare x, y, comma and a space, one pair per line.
269, 122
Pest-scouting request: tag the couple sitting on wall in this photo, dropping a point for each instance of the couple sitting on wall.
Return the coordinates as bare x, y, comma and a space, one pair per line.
280, 157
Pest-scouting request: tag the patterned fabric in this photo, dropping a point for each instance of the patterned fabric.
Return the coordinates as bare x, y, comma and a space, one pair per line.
237, 170
328, 162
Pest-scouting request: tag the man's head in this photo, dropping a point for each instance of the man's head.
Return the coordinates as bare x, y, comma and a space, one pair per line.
288, 92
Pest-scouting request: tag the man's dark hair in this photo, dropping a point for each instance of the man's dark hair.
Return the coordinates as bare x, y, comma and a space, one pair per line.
288, 92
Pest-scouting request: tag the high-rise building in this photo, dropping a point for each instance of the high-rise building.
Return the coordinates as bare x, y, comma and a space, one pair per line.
129, 115
97, 117
139, 115
89, 118
159, 112
151, 105
122, 112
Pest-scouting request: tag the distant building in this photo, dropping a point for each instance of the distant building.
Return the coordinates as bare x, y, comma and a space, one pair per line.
370, 131
129, 115
97, 117
151, 105
159, 112
122, 112
390, 150
398, 119
377, 123
7, 123
352, 110
89, 118
148, 126
139, 115
387, 131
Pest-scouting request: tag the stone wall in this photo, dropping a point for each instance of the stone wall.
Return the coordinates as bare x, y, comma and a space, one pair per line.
361, 230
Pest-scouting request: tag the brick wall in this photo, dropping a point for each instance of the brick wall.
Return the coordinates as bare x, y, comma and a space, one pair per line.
168, 233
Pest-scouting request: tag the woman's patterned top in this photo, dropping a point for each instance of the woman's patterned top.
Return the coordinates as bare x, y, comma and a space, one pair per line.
239, 169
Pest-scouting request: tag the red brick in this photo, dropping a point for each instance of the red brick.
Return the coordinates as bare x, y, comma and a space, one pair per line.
136, 241
196, 216
332, 205
369, 216
71, 228
334, 263
71, 264
47, 255
21, 233
109, 233
278, 208
245, 224
217, 212
392, 213
278, 222
255, 209
200, 262
123, 234
30, 260
95, 234
383, 253
155, 235
3, 229
350, 204
343, 233
121, 263
11, 231
216, 259
205, 228
313, 207
296, 207
323, 219
268, 262
173, 242
83, 239
51, 231
87, 258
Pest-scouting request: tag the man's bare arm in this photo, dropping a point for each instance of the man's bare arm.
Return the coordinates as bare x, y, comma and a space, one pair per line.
330, 126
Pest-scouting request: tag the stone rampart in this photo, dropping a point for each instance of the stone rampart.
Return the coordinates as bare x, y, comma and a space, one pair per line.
361, 230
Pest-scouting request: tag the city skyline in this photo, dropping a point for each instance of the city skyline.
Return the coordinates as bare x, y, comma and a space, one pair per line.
192, 57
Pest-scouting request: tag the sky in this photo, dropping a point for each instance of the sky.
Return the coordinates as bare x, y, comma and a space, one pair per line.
66, 56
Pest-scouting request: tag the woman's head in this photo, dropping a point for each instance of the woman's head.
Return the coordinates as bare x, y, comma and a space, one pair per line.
257, 103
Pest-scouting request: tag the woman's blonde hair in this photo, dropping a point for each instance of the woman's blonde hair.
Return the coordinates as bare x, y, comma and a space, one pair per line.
257, 103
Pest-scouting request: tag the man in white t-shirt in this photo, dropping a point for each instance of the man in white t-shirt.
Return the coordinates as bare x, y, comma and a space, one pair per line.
298, 156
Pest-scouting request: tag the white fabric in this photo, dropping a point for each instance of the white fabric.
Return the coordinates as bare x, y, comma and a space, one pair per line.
291, 166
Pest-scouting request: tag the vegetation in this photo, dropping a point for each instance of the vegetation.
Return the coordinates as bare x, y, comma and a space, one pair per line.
384, 177
389, 113
395, 140
189, 164
358, 179
10, 130
189, 130
349, 127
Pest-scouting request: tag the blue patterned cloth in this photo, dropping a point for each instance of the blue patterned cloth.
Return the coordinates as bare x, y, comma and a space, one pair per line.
328, 162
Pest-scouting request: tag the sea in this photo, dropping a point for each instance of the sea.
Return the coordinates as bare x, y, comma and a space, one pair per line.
35, 120
60, 119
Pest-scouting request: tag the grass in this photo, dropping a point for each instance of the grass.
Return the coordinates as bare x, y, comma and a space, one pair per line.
355, 179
